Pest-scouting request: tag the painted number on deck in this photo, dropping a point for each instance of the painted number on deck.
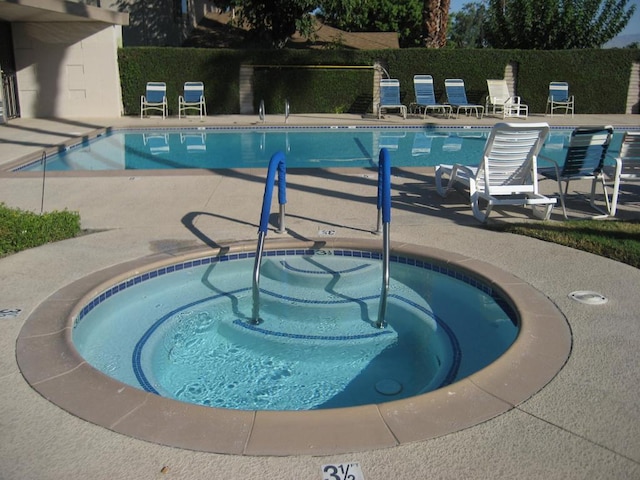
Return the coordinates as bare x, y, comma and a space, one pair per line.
9, 312
342, 471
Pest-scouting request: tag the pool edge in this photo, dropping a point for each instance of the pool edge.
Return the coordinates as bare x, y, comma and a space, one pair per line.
539, 352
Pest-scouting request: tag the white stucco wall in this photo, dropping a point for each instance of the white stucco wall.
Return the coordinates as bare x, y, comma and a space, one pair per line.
67, 70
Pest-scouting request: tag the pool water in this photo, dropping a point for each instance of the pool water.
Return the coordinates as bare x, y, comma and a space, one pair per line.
183, 331
222, 148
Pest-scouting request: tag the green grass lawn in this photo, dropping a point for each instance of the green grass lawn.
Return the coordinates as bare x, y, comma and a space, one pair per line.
612, 239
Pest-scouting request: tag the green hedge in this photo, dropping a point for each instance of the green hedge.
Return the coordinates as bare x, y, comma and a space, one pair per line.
599, 79
20, 230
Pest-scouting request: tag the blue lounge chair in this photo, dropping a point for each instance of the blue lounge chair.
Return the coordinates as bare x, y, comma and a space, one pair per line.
192, 99
390, 97
426, 98
506, 174
155, 98
457, 97
584, 160
559, 98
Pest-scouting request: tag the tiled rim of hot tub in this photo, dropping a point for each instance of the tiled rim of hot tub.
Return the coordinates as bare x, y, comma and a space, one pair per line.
52, 366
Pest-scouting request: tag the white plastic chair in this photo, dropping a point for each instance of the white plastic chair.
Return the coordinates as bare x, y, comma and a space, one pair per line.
500, 101
506, 174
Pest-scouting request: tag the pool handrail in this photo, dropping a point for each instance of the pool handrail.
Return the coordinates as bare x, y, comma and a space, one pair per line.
384, 212
277, 163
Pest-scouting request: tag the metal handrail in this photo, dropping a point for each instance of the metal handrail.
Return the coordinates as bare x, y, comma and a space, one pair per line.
277, 163
261, 112
286, 110
44, 180
384, 212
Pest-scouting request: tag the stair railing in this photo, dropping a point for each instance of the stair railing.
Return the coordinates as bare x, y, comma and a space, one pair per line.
384, 213
276, 164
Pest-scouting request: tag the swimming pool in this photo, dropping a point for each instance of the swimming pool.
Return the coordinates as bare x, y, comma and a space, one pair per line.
321, 147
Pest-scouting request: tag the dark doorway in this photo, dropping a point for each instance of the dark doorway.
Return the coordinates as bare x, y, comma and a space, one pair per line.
9, 105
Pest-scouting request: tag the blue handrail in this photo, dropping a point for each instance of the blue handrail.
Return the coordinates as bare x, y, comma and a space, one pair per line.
276, 164
384, 211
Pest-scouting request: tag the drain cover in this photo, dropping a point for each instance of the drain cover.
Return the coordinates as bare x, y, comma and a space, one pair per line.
388, 387
590, 298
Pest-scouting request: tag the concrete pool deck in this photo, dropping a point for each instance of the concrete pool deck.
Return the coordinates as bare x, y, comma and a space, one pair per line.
584, 423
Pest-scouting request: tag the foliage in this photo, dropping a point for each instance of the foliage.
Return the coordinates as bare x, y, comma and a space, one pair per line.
555, 24
273, 22
319, 90
401, 16
20, 230
612, 239
467, 26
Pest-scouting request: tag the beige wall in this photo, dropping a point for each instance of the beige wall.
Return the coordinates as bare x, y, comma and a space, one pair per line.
67, 69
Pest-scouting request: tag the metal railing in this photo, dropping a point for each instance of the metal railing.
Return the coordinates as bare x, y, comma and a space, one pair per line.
276, 164
384, 214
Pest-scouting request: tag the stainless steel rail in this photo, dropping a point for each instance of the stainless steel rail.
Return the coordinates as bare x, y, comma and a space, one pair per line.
276, 164
384, 213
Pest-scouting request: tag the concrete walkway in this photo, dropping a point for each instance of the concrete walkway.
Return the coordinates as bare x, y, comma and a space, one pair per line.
584, 424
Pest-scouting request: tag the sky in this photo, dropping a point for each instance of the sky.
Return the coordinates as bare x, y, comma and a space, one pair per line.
633, 27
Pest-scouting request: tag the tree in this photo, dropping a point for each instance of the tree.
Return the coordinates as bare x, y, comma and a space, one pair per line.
467, 26
401, 16
435, 18
274, 21
555, 24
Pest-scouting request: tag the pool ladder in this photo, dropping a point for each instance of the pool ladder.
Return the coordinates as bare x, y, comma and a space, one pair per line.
384, 218
262, 113
276, 164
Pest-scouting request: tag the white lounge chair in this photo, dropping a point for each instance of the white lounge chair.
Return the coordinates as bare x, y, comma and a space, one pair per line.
500, 101
559, 98
584, 160
390, 97
192, 99
457, 97
627, 166
426, 98
506, 175
155, 98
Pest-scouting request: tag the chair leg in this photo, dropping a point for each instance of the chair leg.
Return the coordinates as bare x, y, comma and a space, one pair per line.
542, 212
477, 211
562, 195
592, 199
614, 197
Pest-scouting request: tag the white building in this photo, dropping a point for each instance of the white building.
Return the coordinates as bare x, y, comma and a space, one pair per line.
59, 59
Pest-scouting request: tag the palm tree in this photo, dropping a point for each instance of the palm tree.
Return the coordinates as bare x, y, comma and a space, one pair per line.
435, 17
